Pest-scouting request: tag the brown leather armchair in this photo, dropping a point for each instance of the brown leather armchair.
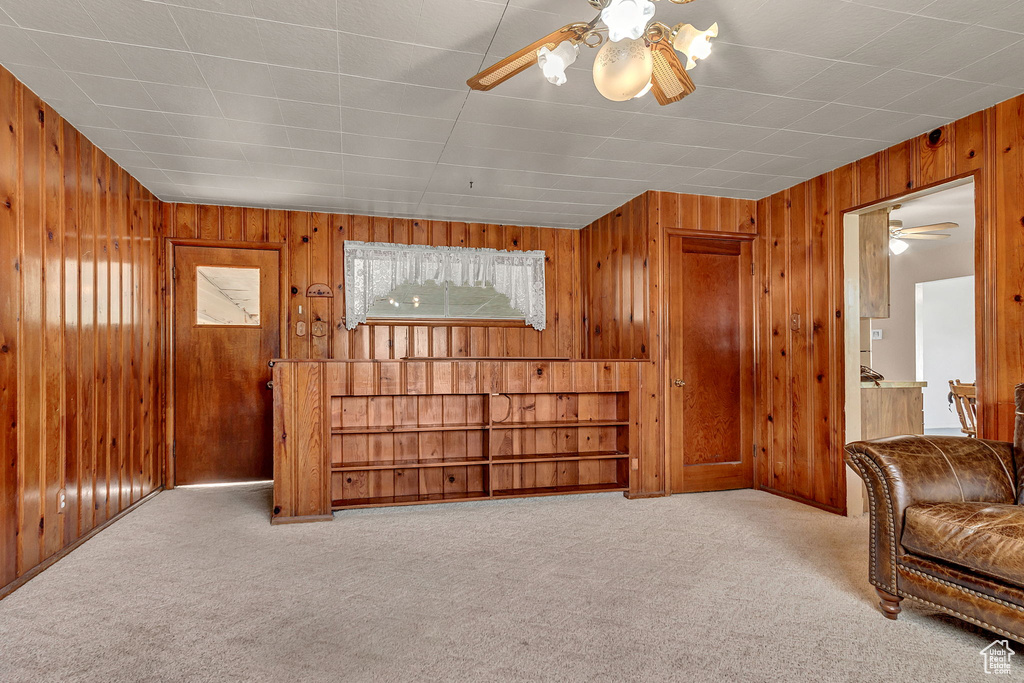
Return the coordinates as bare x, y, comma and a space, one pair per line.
947, 524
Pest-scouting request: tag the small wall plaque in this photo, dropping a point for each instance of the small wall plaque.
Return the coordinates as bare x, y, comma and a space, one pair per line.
319, 289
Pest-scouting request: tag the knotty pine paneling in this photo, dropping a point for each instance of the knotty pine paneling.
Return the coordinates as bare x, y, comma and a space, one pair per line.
316, 255
622, 281
80, 353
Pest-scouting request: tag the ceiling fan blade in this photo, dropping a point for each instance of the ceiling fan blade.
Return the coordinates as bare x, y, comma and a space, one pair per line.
930, 228
922, 237
669, 80
523, 59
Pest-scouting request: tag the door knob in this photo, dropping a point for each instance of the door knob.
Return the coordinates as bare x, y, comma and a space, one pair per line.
679, 382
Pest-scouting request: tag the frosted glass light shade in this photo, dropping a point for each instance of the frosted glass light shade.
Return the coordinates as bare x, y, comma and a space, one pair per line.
897, 246
693, 43
554, 62
623, 69
627, 19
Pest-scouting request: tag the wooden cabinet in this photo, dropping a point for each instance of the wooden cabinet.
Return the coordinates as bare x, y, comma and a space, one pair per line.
874, 264
891, 409
351, 434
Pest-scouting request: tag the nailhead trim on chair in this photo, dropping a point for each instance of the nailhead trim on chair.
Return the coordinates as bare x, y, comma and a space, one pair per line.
877, 471
977, 622
961, 588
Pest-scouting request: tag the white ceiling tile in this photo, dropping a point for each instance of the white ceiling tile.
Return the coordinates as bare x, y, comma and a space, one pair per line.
18, 48
835, 81
108, 138
233, 75
66, 17
887, 88
405, 63
249, 108
321, 140
302, 47
311, 115
317, 13
911, 37
305, 86
829, 117
220, 35
114, 91
999, 68
391, 148
83, 55
322, 104
156, 65
957, 51
363, 122
160, 145
181, 100
136, 23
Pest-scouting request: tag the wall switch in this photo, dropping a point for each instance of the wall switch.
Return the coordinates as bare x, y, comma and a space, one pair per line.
635, 463
876, 334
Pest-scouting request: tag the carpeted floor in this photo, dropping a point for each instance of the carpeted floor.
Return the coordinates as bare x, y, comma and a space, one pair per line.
742, 586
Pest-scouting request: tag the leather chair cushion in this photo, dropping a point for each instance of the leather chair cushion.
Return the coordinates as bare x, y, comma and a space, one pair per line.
985, 537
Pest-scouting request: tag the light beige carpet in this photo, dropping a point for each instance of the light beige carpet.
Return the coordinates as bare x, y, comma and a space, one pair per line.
742, 586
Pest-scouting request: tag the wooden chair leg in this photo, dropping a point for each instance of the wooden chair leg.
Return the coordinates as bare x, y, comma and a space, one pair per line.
889, 604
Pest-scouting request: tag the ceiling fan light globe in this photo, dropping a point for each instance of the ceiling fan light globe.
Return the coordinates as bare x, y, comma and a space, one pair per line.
897, 246
622, 70
553, 63
627, 19
646, 90
694, 43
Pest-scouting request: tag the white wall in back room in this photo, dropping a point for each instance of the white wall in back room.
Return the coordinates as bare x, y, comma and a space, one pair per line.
945, 344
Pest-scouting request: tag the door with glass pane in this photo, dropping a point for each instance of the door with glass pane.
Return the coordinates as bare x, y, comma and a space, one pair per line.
226, 330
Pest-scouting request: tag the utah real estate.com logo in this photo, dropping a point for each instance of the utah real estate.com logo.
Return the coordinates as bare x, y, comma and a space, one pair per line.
997, 657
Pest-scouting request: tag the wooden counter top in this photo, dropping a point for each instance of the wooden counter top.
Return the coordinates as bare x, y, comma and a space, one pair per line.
887, 384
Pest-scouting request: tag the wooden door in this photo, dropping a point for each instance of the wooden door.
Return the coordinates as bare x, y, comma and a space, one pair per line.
226, 330
710, 363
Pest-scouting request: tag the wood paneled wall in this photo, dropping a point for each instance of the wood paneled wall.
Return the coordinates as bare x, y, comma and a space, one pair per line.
315, 255
799, 252
801, 409
80, 356
622, 283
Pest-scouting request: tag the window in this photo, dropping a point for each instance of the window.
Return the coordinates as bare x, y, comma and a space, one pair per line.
414, 281
433, 300
227, 296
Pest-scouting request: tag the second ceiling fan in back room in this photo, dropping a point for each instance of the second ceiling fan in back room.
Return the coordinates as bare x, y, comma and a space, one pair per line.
637, 55
898, 233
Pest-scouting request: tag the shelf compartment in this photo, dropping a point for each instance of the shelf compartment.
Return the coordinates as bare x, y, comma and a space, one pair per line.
449, 480
579, 438
373, 414
558, 490
579, 424
550, 457
557, 473
405, 464
408, 447
405, 429
388, 501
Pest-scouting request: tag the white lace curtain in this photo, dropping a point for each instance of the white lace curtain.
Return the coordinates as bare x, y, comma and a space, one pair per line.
374, 269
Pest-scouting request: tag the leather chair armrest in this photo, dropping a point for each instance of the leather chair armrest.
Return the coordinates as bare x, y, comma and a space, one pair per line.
905, 470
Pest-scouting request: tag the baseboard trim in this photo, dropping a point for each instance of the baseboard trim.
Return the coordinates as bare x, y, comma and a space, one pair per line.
797, 499
274, 521
66, 550
644, 494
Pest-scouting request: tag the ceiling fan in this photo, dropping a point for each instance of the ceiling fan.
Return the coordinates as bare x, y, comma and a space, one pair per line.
898, 233
637, 55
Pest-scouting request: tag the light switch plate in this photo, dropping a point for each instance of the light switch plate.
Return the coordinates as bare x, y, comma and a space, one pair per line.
876, 334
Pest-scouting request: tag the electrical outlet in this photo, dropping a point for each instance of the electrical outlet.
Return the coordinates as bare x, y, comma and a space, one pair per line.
876, 334
62, 500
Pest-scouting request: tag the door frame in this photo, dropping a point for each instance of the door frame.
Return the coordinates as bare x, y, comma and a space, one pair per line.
748, 334
169, 244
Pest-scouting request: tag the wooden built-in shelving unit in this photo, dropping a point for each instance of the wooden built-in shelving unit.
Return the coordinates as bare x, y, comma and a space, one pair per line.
355, 434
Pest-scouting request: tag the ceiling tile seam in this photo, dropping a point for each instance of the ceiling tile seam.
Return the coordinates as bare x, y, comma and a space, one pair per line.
209, 89
465, 99
341, 113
